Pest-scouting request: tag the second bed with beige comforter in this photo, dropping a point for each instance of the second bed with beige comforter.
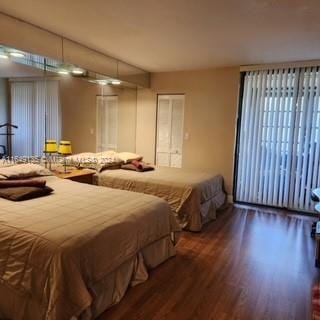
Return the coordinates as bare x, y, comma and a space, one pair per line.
194, 196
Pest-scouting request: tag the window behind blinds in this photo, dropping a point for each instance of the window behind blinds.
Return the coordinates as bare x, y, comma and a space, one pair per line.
35, 109
279, 138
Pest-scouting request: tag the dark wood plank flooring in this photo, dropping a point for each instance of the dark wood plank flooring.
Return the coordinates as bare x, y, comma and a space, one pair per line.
248, 264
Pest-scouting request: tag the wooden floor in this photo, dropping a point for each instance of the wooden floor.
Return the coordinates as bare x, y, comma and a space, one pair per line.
249, 264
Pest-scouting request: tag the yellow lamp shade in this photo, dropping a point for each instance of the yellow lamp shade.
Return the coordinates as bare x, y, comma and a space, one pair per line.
65, 147
50, 146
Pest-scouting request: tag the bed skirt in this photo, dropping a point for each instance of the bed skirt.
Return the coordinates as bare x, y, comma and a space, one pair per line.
105, 293
193, 196
189, 216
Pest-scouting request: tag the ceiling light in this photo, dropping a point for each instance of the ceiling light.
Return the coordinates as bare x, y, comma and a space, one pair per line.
62, 71
115, 82
17, 54
77, 71
102, 82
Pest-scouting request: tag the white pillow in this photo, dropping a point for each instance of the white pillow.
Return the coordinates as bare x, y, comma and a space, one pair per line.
108, 153
6, 163
105, 157
127, 157
76, 159
27, 170
81, 156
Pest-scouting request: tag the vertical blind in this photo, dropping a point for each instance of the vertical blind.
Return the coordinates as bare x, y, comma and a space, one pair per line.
279, 138
35, 109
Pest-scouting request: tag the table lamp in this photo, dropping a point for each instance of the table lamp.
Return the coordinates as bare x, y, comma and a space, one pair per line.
65, 150
50, 147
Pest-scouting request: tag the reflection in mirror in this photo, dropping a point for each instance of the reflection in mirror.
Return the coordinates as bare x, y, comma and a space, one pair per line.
23, 95
116, 118
98, 115
50, 100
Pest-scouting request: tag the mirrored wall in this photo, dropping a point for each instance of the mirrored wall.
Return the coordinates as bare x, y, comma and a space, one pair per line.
47, 99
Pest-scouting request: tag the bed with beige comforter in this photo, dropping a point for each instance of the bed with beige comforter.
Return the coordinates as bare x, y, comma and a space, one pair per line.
193, 196
74, 253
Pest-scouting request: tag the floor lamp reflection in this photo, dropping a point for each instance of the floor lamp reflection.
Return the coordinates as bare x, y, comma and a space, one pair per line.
65, 150
50, 147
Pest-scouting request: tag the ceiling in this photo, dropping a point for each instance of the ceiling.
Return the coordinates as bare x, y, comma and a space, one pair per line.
169, 35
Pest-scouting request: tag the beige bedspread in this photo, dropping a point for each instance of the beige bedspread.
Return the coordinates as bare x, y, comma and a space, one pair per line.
194, 196
54, 249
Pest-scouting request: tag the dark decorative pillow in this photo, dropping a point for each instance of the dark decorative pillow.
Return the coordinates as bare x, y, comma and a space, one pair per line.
24, 193
139, 167
108, 166
129, 166
40, 183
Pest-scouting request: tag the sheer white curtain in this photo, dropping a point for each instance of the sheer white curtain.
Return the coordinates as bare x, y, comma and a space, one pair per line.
35, 109
279, 140
22, 102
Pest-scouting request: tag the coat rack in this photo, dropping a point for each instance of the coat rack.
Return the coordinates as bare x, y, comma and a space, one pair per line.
7, 149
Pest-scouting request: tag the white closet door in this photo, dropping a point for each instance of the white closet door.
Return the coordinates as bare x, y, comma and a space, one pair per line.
107, 123
170, 130
177, 132
164, 132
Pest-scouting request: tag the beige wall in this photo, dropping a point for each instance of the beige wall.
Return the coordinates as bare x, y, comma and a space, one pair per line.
210, 117
78, 101
146, 123
127, 119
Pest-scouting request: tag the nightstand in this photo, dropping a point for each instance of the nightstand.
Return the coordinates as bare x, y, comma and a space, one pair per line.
78, 175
